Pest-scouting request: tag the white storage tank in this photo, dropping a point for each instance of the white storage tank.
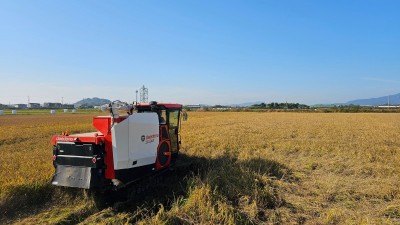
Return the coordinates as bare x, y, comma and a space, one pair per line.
14, 112
52, 111
65, 110
1, 112
74, 111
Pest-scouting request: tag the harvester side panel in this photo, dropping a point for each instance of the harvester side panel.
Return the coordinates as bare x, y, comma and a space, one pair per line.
144, 131
135, 141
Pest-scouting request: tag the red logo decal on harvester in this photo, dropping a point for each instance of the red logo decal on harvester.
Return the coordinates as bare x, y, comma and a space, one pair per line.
69, 139
148, 138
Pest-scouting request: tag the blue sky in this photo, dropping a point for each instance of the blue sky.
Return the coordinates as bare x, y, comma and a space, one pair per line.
212, 52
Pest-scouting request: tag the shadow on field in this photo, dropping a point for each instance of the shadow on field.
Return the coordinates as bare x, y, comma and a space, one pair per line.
27, 200
231, 178
22, 198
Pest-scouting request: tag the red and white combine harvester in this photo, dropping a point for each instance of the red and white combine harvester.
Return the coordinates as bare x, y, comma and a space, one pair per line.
124, 148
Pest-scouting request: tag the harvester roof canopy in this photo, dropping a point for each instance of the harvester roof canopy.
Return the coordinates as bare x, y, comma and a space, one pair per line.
166, 105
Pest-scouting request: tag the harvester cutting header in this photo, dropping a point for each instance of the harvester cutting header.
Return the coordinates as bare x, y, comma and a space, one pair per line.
124, 148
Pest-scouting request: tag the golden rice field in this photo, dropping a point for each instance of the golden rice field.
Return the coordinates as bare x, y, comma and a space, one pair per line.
241, 168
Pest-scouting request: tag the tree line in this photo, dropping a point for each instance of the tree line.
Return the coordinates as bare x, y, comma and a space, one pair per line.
282, 105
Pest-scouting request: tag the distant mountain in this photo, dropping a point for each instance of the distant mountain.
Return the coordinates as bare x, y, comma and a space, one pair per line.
87, 102
394, 100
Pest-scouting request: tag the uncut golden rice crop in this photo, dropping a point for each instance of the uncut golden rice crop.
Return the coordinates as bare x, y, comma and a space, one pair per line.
249, 167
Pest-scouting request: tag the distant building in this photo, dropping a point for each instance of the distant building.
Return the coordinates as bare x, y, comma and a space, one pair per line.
52, 105
68, 106
193, 107
20, 106
33, 105
389, 106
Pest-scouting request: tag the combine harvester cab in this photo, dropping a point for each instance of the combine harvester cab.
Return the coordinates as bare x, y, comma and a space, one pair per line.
123, 150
